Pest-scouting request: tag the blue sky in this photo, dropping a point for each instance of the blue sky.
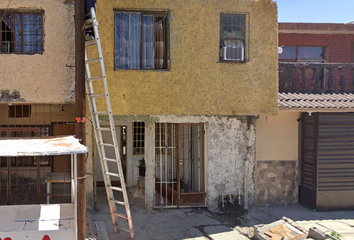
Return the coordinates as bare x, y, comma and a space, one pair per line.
321, 11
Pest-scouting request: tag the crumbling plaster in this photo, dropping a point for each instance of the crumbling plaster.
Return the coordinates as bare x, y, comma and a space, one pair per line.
230, 162
43, 78
197, 83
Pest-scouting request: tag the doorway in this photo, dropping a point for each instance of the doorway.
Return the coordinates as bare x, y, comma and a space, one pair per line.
179, 165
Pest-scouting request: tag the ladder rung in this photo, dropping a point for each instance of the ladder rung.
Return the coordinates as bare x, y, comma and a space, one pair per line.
90, 42
106, 144
94, 79
103, 129
93, 60
115, 188
109, 159
100, 113
118, 202
112, 174
119, 215
97, 95
126, 230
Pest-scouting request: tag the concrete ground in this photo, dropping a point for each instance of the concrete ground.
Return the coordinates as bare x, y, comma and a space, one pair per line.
201, 224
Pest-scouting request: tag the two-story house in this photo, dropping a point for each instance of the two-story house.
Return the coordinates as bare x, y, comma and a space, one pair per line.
305, 154
36, 100
187, 81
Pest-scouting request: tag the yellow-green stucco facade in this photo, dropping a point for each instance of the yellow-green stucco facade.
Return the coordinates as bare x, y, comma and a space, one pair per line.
196, 83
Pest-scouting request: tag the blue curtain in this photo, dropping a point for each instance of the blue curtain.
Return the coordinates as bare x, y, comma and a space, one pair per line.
148, 42
127, 40
28, 34
18, 33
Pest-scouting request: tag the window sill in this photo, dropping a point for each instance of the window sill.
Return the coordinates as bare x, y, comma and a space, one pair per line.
149, 70
231, 61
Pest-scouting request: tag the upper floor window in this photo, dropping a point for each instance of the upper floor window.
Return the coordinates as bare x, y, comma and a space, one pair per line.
302, 54
141, 40
21, 31
233, 37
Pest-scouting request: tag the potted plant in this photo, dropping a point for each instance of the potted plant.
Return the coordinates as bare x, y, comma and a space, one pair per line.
142, 167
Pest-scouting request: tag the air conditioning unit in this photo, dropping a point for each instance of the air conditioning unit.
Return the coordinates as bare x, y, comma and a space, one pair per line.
234, 53
5, 46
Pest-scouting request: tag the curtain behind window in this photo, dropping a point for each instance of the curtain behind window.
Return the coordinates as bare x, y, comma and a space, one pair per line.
127, 43
28, 32
148, 42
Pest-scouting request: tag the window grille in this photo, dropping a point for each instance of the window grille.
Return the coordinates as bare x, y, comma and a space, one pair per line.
233, 37
21, 31
139, 138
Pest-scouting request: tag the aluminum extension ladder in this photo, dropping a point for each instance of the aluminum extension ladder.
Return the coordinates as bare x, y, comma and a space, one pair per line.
100, 105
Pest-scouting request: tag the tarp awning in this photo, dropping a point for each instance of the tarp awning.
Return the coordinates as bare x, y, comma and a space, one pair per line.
49, 146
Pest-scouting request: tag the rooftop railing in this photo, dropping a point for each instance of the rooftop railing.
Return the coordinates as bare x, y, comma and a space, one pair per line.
295, 77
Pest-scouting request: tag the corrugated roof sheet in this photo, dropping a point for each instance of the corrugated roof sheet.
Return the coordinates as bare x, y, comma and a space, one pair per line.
64, 145
316, 101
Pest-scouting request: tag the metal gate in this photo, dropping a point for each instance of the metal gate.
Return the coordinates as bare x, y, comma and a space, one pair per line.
179, 165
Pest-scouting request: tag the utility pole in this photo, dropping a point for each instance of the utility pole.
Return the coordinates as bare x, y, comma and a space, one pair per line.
80, 110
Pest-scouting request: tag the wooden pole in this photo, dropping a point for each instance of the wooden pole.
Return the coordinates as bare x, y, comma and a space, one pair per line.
80, 110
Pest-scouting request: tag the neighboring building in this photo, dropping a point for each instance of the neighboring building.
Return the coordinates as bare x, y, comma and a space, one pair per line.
305, 154
36, 94
187, 80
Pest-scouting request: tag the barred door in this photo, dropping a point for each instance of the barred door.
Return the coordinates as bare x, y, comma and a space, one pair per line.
179, 165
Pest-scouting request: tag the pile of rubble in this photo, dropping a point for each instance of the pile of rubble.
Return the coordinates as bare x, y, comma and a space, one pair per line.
286, 229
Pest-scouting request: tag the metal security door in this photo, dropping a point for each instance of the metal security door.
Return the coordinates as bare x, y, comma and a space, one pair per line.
179, 165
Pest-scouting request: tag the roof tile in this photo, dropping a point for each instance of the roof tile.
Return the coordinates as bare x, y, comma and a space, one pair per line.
316, 101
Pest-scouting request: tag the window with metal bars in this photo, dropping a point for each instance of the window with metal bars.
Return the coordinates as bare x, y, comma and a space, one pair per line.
139, 138
141, 40
21, 31
233, 37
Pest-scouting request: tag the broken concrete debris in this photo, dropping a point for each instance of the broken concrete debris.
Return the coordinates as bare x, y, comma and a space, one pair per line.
286, 229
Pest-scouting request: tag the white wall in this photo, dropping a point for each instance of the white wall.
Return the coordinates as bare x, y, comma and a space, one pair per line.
277, 137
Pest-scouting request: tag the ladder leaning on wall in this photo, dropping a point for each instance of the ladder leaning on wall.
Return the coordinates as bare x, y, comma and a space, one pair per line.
100, 106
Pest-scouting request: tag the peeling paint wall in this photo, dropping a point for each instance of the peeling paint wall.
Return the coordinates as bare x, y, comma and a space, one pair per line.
43, 78
230, 163
197, 83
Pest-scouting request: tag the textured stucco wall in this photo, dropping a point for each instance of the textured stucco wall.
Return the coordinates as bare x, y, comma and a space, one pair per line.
230, 162
43, 78
197, 84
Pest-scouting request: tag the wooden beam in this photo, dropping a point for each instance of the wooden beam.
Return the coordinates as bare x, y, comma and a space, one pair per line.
80, 110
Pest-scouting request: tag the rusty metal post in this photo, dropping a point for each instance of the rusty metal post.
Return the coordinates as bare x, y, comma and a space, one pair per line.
80, 110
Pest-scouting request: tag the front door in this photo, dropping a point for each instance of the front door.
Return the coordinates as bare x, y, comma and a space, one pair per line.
179, 165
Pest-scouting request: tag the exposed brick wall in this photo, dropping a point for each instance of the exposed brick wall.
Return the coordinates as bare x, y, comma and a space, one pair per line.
316, 26
338, 46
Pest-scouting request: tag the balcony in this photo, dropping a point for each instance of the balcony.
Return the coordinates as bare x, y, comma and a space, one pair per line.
318, 78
